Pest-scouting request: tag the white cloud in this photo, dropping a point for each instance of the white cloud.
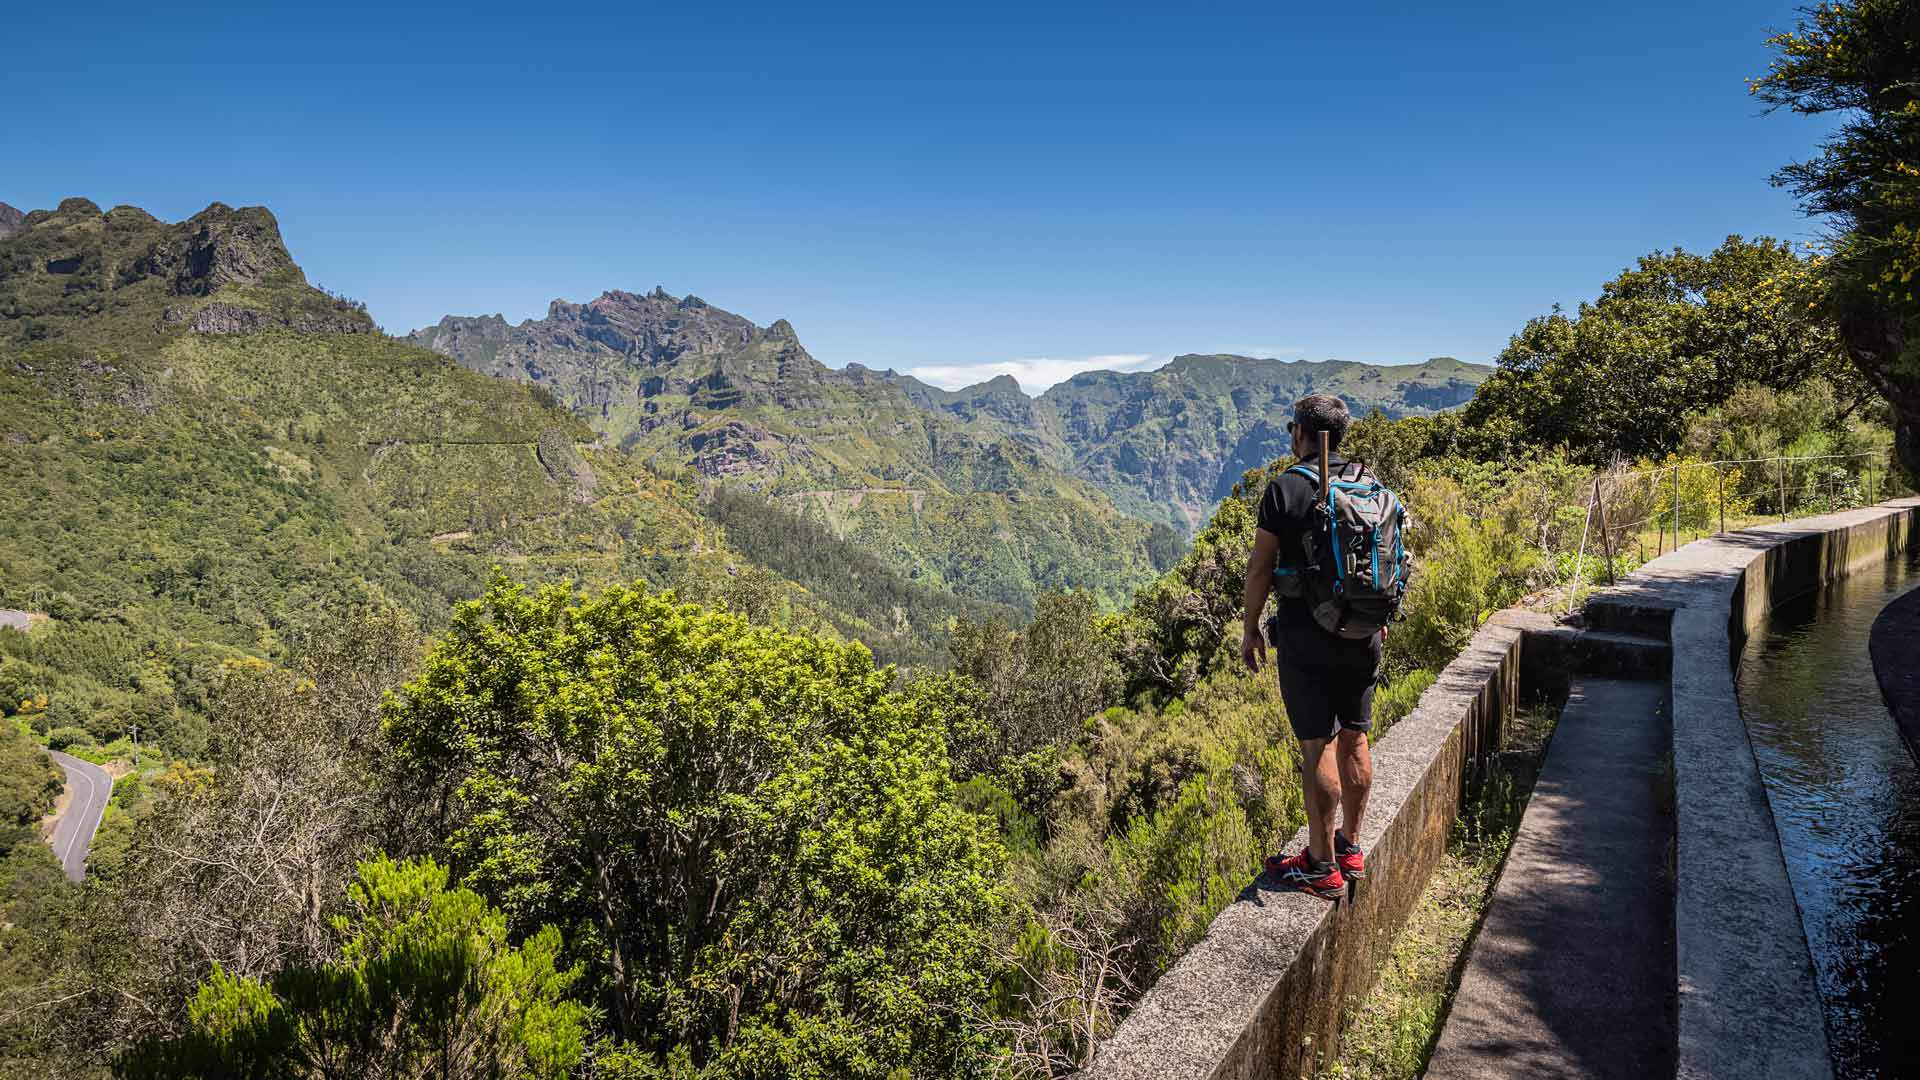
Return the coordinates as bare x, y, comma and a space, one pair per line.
1034, 375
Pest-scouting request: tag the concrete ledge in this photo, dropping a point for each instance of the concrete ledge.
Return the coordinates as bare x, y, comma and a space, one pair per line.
1748, 1004
1262, 994
1895, 645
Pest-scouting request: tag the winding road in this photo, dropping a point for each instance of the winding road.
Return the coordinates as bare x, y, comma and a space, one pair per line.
89, 788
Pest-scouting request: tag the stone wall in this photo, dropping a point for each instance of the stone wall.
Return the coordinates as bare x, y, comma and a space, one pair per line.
1261, 995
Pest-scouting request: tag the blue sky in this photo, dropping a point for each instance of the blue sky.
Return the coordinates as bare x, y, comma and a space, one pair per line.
956, 190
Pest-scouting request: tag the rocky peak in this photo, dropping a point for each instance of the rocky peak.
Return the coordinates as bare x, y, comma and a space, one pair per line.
224, 270
224, 246
11, 220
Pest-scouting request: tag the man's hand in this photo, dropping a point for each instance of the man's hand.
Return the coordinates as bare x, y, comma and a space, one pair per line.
1253, 599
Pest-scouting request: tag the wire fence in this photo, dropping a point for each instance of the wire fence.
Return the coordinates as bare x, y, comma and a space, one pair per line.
1662, 507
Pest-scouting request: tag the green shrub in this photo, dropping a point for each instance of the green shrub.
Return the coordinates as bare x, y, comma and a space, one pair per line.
752, 836
65, 738
427, 984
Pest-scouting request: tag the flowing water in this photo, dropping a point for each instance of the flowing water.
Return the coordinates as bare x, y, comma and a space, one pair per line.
1846, 799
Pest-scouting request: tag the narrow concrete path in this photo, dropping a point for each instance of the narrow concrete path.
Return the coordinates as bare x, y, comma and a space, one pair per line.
1572, 973
90, 787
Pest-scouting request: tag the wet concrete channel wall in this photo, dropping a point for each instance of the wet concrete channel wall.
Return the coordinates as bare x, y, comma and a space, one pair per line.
1262, 994
1895, 641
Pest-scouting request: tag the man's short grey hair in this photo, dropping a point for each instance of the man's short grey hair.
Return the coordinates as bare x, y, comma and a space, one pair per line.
1316, 413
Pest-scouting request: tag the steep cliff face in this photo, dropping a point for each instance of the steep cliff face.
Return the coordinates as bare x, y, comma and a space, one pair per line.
10, 220
630, 358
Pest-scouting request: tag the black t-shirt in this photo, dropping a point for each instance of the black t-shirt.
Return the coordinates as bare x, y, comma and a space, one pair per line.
1286, 511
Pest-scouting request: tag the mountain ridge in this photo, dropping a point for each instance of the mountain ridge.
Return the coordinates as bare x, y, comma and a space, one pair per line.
679, 377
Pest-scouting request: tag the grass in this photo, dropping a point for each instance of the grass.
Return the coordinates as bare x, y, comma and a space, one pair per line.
1390, 1033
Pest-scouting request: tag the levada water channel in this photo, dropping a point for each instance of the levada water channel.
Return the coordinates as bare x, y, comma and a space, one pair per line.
1846, 799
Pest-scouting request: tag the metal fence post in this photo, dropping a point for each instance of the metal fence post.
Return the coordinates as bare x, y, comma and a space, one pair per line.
1606, 538
1676, 508
1780, 470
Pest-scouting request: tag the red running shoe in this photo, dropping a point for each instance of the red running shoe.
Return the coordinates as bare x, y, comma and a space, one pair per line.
1348, 856
1298, 872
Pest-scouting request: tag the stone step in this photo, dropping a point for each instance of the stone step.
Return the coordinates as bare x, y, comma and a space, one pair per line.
1622, 612
1572, 971
1554, 656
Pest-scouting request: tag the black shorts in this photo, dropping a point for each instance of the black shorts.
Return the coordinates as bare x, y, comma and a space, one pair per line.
1323, 701
1326, 682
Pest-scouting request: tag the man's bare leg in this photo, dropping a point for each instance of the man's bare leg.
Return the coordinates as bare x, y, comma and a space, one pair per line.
1356, 780
1320, 794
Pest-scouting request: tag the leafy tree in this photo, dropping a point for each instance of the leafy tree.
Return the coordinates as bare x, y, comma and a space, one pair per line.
1676, 333
1861, 58
1040, 683
750, 836
29, 783
237, 865
427, 985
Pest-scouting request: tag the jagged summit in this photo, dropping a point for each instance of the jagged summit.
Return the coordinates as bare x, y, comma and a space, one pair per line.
223, 270
11, 220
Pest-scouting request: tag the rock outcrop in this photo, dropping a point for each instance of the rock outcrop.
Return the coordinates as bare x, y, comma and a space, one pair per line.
222, 271
11, 220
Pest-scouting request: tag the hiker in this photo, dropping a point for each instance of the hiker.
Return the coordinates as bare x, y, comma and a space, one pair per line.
1329, 547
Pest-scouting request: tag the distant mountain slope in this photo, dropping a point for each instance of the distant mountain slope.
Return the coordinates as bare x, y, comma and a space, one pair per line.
1170, 444
984, 513
684, 382
10, 220
1167, 445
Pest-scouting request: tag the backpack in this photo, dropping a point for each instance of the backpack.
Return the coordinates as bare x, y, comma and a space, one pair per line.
1354, 570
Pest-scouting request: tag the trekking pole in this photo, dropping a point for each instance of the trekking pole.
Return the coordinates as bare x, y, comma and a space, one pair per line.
1324, 451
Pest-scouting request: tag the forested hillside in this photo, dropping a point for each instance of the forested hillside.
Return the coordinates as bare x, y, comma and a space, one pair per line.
683, 384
